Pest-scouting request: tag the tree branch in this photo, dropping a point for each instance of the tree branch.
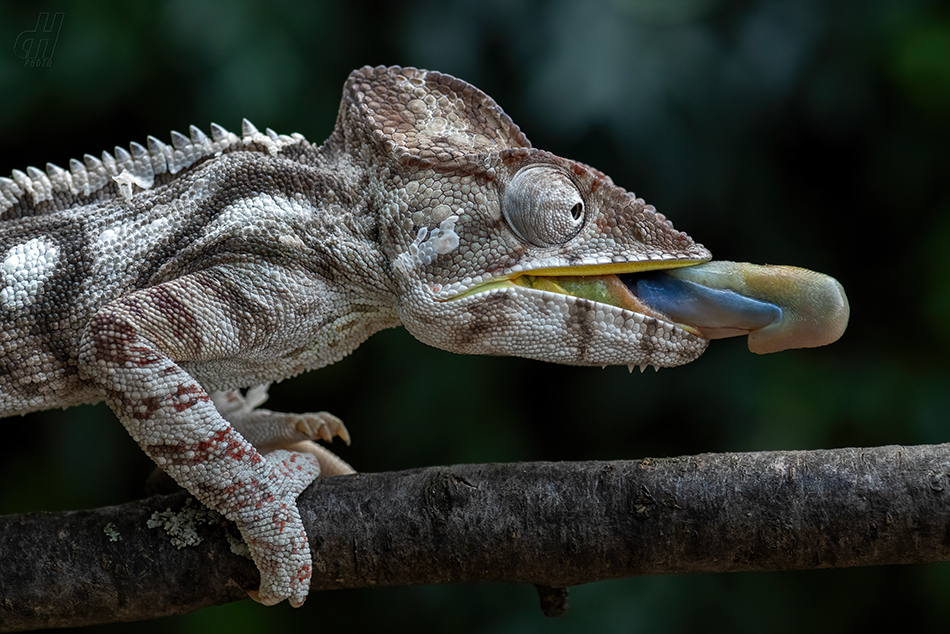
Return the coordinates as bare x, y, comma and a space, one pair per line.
548, 524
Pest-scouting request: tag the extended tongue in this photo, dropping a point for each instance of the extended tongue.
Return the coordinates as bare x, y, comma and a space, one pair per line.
779, 307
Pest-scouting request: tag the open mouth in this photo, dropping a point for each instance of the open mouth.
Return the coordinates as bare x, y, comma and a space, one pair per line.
778, 307
615, 290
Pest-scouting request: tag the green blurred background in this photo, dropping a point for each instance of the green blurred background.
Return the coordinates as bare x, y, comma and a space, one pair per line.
804, 132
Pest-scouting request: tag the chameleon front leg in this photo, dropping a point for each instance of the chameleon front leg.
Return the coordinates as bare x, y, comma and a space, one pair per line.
130, 349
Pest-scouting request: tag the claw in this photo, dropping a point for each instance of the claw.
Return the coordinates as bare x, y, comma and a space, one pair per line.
323, 425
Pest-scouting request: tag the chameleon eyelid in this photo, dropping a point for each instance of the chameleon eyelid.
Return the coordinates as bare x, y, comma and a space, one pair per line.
543, 206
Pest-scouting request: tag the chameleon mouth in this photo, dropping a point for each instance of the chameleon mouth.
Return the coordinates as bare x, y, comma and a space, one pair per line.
619, 289
778, 307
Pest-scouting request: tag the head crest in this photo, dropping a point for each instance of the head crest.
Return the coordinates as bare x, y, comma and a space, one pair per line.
418, 115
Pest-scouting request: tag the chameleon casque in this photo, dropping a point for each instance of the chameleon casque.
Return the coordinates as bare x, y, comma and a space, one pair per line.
163, 279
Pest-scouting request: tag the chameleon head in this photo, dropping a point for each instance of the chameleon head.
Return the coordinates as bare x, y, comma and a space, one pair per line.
499, 248
480, 227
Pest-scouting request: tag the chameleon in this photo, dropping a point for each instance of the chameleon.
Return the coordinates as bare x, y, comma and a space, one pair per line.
164, 279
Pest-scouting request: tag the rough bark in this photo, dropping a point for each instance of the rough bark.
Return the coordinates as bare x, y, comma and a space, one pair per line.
549, 524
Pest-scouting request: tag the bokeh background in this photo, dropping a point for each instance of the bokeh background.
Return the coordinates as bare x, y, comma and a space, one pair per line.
803, 132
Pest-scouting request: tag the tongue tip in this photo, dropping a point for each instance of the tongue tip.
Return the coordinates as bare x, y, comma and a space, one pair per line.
818, 317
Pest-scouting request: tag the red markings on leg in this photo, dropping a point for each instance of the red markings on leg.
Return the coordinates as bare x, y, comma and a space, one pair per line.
174, 313
111, 339
223, 444
185, 397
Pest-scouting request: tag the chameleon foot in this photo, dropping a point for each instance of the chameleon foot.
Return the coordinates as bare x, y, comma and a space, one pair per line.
323, 425
274, 532
268, 430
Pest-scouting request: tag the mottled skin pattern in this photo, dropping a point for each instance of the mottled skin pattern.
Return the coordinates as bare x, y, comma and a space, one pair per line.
163, 278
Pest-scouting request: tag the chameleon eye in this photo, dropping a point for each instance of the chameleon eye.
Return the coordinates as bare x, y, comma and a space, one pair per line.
542, 206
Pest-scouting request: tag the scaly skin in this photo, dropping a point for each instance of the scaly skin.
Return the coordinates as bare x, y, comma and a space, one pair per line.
161, 275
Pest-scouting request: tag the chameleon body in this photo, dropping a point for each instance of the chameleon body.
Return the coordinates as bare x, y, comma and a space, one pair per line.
163, 278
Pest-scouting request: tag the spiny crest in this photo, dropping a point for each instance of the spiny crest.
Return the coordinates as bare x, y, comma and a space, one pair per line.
138, 166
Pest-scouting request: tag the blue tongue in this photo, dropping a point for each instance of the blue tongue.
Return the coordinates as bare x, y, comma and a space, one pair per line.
705, 308
778, 307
